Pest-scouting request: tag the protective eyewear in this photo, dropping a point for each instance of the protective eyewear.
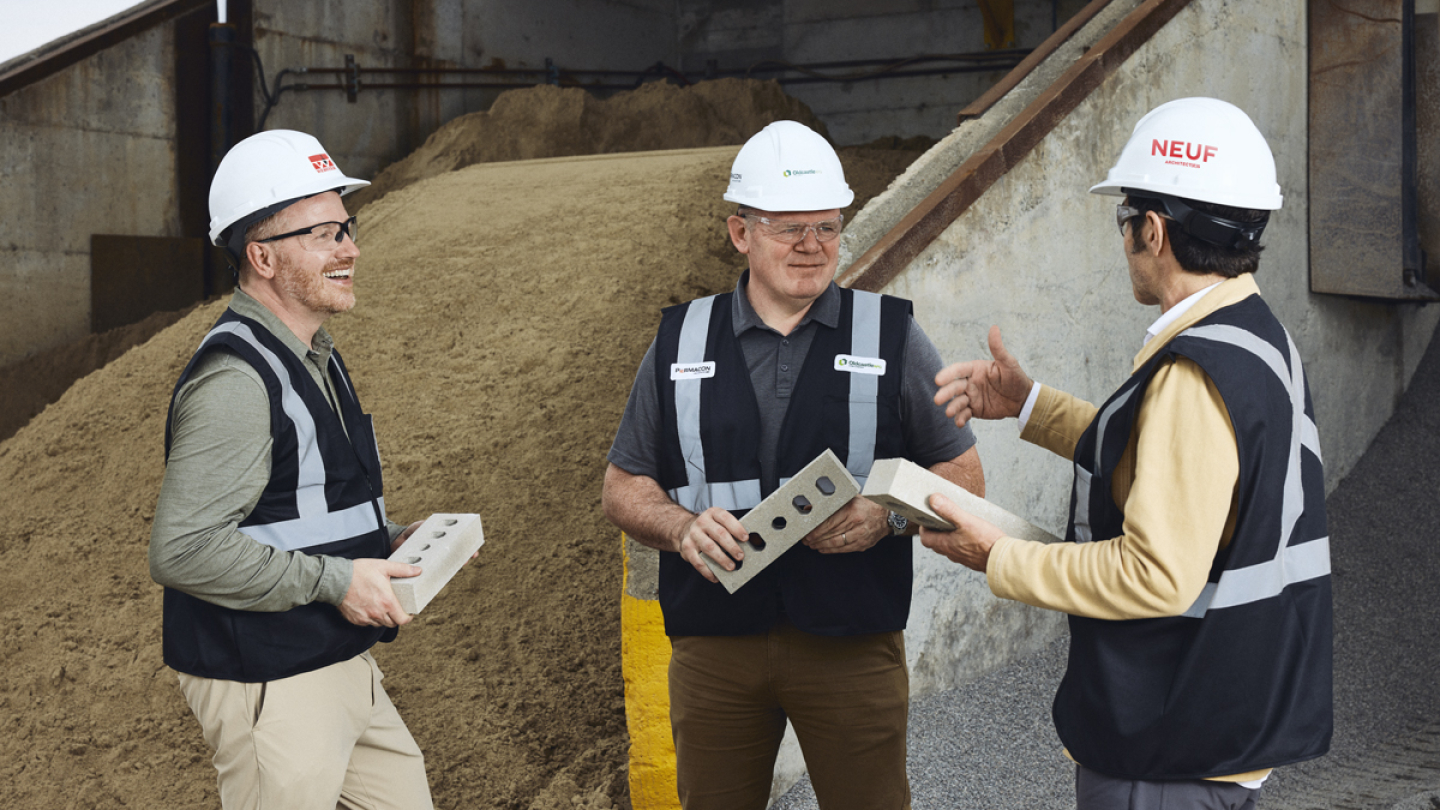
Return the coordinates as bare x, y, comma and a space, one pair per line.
1124, 213
322, 237
792, 232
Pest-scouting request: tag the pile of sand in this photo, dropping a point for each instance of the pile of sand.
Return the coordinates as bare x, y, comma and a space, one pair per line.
502, 311
28, 386
547, 121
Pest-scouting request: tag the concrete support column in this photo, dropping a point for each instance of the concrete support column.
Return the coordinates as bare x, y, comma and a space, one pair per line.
437, 31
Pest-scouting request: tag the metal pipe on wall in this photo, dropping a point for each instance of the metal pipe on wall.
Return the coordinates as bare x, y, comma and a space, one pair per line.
222, 57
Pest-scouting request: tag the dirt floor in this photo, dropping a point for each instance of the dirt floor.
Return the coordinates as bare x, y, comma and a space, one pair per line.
502, 310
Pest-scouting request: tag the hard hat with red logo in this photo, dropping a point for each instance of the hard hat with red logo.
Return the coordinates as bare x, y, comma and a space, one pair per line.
1199, 149
264, 174
788, 167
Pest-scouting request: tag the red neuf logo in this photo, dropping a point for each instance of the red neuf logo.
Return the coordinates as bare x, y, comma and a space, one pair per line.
1185, 152
322, 162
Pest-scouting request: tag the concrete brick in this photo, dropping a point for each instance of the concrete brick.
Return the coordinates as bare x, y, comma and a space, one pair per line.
782, 520
441, 546
905, 487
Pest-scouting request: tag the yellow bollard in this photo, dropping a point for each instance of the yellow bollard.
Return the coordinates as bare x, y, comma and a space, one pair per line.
645, 661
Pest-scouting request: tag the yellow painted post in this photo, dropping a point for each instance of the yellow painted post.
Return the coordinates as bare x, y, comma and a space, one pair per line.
645, 661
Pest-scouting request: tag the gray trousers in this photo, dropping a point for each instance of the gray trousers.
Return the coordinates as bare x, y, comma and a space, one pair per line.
1094, 791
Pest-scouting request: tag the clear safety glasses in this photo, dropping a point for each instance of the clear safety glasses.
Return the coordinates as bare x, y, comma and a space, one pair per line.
827, 230
322, 237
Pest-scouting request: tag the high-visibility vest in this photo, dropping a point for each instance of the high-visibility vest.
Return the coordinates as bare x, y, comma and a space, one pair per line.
325, 497
1242, 679
709, 457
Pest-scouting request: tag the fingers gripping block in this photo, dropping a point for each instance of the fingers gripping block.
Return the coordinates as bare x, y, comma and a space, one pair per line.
905, 487
441, 546
791, 512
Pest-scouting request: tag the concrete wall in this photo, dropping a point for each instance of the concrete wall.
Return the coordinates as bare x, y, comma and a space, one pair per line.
360, 136
739, 33
1041, 258
88, 150
92, 149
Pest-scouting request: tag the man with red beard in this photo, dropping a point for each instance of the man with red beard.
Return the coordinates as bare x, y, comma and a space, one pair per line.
270, 534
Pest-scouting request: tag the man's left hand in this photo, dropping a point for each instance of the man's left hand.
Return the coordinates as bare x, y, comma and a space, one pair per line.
858, 525
403, 536
969, 543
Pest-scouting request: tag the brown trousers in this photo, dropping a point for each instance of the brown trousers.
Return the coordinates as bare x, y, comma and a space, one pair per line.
316, 741
846, 696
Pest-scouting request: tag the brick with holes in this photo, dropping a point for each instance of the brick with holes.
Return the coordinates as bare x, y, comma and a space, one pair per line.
791, 512
441, 546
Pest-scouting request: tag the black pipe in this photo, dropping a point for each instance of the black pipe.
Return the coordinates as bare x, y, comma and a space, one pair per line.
349, 78
222, 116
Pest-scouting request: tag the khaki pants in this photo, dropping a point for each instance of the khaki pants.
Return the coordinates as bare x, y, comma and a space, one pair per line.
316, 741
846, 696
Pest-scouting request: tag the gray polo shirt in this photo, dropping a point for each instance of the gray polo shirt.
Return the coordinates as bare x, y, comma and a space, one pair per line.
774, 361
219, 465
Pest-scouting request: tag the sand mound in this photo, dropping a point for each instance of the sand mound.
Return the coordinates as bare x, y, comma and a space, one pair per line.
546, 121
502, 310
28, 386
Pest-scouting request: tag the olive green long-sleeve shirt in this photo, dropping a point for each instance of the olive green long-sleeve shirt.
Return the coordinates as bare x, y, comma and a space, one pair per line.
219, 465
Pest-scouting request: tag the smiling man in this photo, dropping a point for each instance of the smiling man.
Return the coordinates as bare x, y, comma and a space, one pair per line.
270, 534
736, 394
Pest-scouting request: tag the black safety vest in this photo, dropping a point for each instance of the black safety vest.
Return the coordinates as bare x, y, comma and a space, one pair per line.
710, 416
324, 497
1242, 680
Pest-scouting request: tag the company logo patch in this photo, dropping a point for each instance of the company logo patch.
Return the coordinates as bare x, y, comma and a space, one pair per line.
860, 365
798, 172
1190, 152
322, 163
692, 371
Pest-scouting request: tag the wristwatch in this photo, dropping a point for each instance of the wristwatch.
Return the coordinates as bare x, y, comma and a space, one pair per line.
897, 522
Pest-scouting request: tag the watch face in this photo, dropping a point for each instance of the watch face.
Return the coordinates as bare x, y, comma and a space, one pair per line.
898, 522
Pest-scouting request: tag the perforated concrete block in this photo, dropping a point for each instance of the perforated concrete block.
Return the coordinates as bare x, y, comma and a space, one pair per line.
905, 487
791, 512
441, 546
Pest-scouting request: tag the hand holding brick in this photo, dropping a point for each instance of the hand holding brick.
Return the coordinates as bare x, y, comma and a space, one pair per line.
441, 546
905, 487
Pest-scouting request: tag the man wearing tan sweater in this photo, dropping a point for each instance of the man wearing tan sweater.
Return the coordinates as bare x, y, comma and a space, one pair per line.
1196, 572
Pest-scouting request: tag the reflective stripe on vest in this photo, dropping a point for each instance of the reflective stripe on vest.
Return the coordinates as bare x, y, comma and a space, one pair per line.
1083, 476
701, 494
864, 388
1292, 563
316, 524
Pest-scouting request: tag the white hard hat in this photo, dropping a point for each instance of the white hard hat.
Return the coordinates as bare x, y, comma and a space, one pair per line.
788, 167
266, 171
1199, 149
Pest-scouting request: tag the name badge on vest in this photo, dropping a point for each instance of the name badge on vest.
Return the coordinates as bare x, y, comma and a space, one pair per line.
692, 371
860, 365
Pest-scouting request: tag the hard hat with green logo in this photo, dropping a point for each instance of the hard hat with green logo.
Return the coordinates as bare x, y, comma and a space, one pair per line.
264, 174
788, 167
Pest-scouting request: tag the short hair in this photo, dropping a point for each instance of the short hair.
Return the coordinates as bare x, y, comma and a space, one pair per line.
260, 229
1196, 255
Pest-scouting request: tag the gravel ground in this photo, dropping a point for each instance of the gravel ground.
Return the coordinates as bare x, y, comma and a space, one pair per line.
991, 744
